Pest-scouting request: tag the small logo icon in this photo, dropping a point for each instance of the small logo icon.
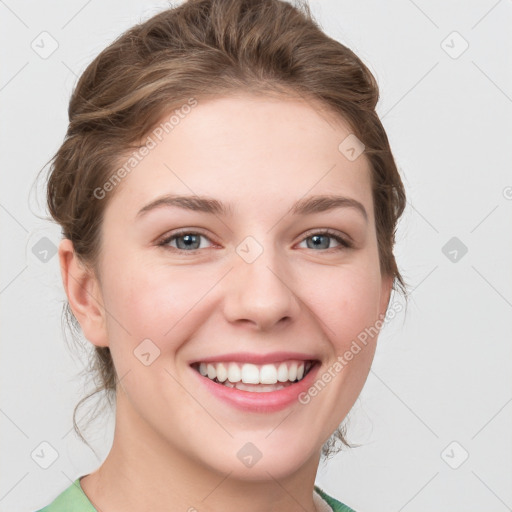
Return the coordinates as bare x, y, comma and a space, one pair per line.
249, 455
44, 45
454, 45
249, 249
44, 455
454, 249
454, 455
351, 147
146, 352
44, 250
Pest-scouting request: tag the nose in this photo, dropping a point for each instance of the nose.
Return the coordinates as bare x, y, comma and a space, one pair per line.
261, 293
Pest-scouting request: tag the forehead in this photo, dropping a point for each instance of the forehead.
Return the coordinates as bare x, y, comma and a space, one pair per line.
246, 149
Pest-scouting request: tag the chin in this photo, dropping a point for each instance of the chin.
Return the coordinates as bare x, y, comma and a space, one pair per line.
264, 459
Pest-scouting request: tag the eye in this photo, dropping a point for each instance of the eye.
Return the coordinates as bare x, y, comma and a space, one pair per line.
190, 241
187, 241
321, 240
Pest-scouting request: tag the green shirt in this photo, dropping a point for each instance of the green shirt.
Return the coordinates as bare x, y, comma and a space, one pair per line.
73, 499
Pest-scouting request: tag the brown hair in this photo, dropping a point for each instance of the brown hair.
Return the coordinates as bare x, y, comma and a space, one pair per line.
200, 49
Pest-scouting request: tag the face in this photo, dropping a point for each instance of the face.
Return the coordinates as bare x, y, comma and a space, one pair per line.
216, 305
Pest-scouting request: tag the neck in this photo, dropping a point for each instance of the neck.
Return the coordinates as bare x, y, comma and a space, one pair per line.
145, 472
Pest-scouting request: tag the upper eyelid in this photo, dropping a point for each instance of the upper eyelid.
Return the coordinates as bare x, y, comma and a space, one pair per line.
197, 231
165, 239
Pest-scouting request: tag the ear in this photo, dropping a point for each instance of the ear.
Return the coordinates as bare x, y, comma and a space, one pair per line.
385, 294
84, 294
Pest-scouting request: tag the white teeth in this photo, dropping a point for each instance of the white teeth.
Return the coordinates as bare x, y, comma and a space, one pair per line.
292, 371
222, 372
212, 372
282, 373
234, 373
250, 374
268, 374
247, 373
257, 388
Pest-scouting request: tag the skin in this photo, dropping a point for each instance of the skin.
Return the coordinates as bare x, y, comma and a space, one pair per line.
175, 444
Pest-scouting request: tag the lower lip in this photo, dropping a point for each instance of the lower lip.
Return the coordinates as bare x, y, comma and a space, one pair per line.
251, 401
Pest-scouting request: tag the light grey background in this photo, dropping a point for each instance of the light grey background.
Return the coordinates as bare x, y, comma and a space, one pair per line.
441, 373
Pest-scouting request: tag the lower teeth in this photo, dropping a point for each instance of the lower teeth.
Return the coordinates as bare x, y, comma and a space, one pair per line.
258, 388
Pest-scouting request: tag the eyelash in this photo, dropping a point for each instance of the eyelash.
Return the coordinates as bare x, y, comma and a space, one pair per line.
344, 244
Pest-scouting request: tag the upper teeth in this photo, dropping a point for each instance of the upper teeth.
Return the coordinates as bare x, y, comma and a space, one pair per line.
255, 374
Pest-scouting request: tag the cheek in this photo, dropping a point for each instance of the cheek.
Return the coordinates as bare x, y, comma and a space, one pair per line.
157, 303
141, 294
344, 299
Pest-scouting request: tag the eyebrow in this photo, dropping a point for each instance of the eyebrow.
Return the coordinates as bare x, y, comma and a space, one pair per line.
309, 205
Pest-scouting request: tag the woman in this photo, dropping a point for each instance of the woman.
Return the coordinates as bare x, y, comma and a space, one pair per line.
228, 200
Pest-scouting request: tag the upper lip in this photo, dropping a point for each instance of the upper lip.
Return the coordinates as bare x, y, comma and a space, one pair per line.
254, 358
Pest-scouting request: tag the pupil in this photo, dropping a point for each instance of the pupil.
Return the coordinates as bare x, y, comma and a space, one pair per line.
316, 238
189, 239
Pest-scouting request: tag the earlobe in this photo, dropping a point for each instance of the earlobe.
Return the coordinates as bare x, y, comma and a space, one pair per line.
84, 294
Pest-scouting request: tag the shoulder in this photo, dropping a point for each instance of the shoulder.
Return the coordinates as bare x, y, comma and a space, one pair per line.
72, 499
336, 505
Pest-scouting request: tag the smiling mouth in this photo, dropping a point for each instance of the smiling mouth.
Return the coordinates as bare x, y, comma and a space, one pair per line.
253, 377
